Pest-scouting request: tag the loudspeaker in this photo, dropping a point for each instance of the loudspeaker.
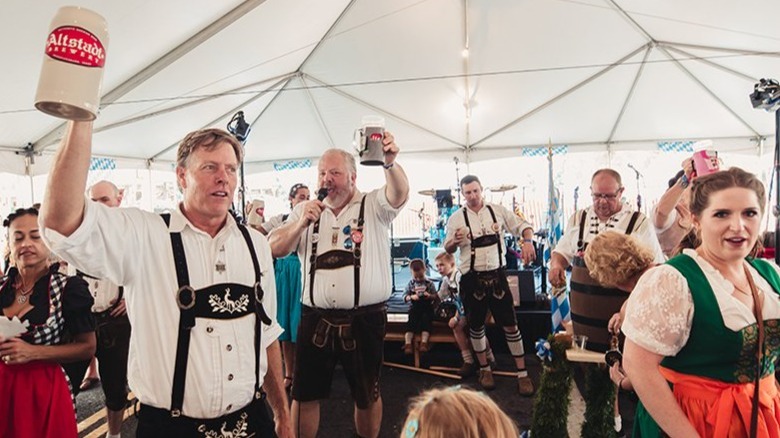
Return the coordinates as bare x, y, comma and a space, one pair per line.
405, 248
525, 284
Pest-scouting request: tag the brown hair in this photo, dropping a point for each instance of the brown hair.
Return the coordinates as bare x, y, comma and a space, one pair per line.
613, 258
609, 172
468, 179
417, 265
207, 139
704, 187
457, 412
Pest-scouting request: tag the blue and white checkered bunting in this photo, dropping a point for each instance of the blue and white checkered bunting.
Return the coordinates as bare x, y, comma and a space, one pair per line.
676, 146
100, 169
542, 151
102, 164
292, 164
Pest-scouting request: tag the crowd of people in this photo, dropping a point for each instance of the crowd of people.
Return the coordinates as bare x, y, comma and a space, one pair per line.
227, 324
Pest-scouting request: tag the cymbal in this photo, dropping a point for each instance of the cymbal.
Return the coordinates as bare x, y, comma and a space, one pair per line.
429, 192
503, 188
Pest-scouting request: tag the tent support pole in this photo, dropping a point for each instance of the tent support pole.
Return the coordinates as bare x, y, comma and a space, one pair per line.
776, 210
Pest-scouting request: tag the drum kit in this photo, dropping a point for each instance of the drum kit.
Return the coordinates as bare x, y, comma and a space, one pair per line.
446, 207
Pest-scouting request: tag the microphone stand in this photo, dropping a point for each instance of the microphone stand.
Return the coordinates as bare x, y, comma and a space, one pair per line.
457, 177
240, 129
638, 195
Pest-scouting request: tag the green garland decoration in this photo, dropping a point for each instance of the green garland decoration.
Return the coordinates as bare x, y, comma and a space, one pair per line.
600, 401
551, 405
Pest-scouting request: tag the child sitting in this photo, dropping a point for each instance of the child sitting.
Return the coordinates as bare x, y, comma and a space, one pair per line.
421, 292
449, 291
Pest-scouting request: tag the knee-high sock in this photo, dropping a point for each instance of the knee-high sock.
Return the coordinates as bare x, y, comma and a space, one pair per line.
478, 340
514, 341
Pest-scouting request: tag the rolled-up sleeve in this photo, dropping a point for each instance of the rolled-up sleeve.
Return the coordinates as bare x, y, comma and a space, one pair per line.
105, 243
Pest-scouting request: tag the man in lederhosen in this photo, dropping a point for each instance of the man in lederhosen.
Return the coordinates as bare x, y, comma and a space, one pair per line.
592, 304
342, 238
607, 213
113, 328
199, 288
478, 230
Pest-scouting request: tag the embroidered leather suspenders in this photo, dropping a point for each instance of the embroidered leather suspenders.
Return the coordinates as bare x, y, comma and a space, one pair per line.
484, 240
337, 258
581, 245
219, 301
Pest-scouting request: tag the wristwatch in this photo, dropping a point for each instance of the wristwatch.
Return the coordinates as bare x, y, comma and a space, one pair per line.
684, 181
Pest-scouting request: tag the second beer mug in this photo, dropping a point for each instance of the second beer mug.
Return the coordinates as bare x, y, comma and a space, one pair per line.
368, 140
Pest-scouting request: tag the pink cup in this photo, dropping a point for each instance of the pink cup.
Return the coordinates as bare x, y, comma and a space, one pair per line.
705, 162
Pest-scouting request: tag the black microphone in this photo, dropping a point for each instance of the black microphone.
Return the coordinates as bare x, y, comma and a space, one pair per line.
322, 193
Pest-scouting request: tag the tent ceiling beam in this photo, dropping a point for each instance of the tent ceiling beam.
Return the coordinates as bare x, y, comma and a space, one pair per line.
159, 64
229, 112
407, 153
379, 110
711, 63
629, 95
606, 146
633, 22
188, 104
327, 35
719, 49
707, 89
563, 94
317, 111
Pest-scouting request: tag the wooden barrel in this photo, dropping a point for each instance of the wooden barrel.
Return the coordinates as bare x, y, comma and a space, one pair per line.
592, 305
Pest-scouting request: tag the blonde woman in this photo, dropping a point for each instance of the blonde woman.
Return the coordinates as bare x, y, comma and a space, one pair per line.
456, 412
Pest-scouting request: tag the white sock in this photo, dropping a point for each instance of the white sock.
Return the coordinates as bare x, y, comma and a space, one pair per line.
110, 435
618, 423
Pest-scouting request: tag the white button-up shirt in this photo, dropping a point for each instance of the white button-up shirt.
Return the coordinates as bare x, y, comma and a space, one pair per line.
104, 292
643, 231
132, 247
334, 289
486, 258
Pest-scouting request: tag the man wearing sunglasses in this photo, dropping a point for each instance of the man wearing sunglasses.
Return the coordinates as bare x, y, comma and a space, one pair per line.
342, 240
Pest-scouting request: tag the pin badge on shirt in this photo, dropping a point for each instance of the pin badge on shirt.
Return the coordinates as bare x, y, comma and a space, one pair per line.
315, 238
357, 236
495, 227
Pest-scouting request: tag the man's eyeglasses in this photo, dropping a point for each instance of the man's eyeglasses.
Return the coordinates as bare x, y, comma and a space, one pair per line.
606, 196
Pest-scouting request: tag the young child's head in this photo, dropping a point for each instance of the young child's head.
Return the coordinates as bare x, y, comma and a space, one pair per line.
445, 263
417, 267
457, 412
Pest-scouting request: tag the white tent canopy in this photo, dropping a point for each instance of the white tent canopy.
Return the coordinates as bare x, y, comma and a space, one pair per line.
591, 74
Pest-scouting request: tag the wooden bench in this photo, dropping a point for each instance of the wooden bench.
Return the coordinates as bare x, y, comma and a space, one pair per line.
396, 331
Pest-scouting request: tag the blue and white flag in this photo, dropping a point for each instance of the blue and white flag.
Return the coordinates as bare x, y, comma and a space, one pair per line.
555, 209
559, 304
559, 308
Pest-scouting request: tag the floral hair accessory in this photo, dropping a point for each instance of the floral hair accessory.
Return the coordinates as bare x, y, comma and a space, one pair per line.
411, 428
